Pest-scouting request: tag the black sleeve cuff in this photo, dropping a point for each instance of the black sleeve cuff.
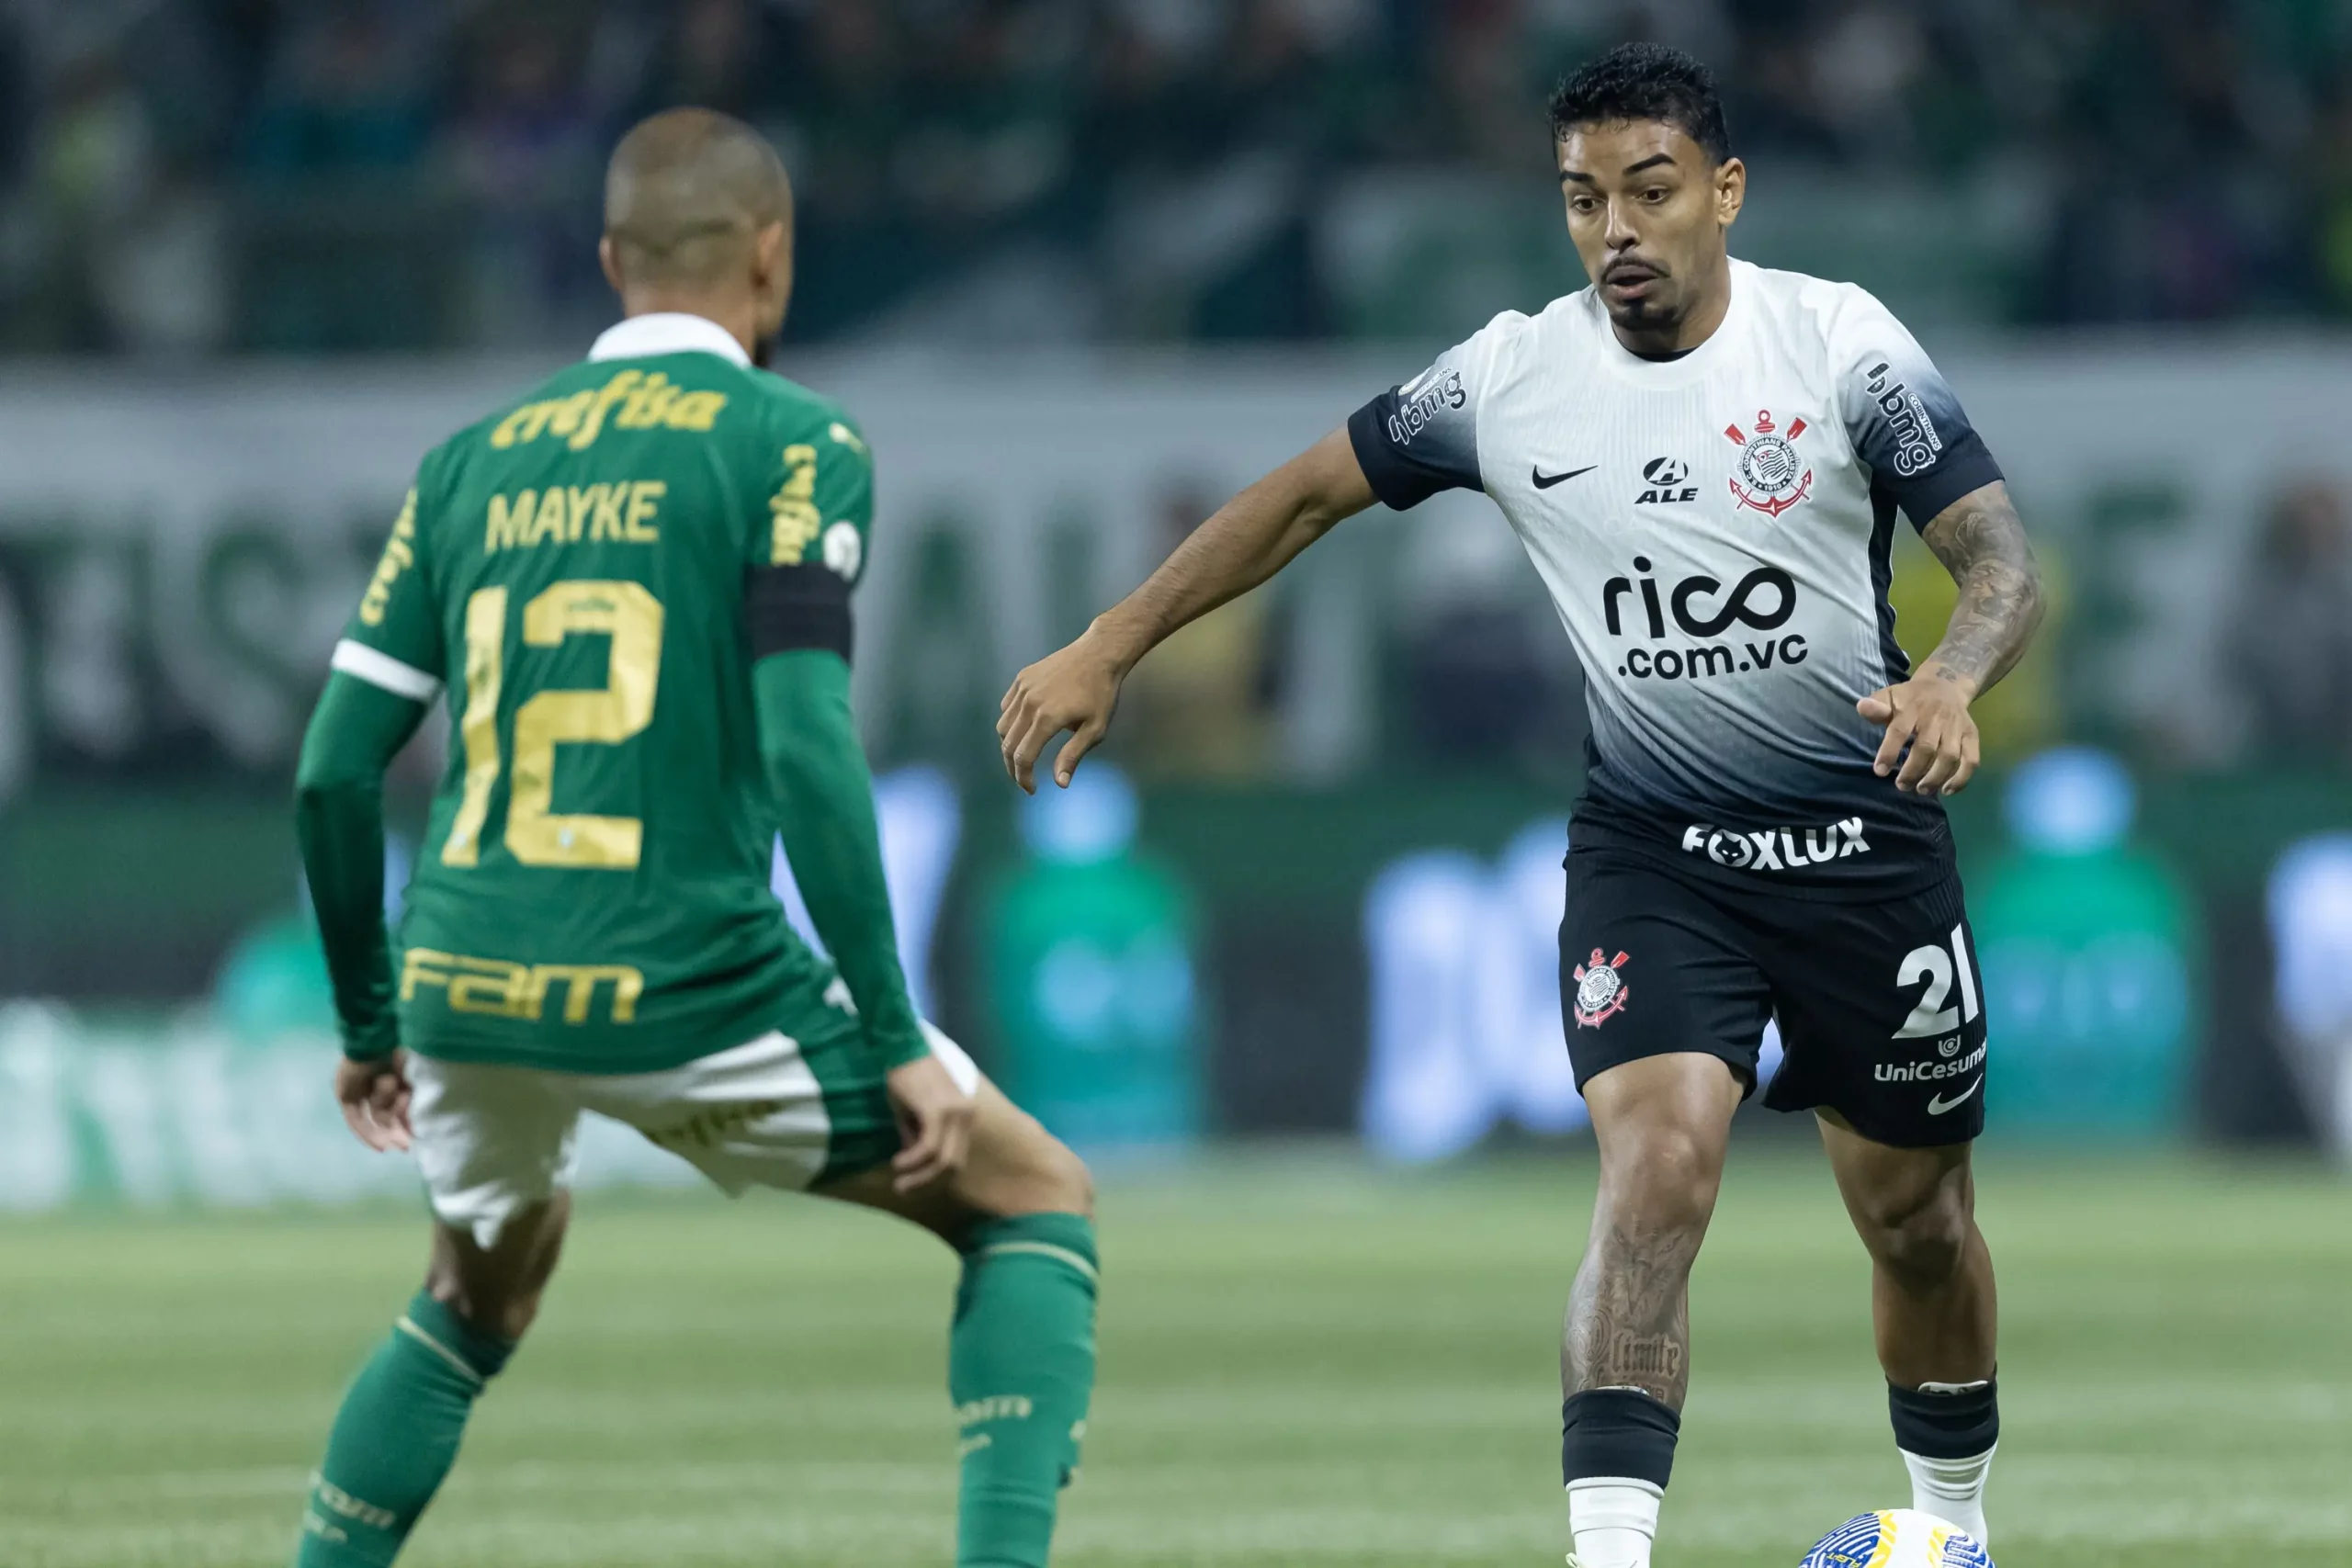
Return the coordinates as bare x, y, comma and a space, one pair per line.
791, 607
1400, 481
1966, 466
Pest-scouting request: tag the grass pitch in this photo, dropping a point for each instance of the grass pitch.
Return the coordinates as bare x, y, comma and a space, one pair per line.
1301, 1364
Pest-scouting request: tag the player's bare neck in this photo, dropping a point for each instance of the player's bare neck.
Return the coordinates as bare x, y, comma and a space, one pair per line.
739, 315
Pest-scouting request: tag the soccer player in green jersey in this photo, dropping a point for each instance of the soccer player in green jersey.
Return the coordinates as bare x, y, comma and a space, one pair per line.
635, 584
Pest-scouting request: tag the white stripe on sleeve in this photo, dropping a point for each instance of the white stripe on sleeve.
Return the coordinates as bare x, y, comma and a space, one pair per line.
379, 669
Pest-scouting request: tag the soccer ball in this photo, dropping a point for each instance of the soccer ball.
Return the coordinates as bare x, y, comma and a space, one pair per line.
1897, 1538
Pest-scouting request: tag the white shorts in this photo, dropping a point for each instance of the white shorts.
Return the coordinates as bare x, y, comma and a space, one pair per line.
495, 1140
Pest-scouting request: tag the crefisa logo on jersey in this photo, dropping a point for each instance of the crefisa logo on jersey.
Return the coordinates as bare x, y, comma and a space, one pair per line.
1601, 992
1775, 475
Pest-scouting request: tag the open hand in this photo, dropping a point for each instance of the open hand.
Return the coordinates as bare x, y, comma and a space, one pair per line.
1928, 712
374, 1096
934, 1123
1075, 689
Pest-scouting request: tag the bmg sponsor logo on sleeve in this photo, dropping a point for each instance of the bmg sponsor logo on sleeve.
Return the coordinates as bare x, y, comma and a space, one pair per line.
1917, 443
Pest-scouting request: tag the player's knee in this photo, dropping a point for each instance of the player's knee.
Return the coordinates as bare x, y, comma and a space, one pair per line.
1669, 1181
497, 1290
1056, 1180
1018, 1167
1920, 1239
503, 1311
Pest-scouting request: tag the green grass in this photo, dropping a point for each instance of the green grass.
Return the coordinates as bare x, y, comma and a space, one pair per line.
1301, 1363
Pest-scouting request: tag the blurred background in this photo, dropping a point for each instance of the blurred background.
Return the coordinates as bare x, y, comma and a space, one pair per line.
1083, 268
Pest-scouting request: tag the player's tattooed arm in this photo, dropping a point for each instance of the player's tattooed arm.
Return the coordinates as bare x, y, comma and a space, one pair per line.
1931, 745
1251, 537
1983, 545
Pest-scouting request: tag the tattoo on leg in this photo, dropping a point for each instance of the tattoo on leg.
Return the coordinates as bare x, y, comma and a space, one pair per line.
1629, 1316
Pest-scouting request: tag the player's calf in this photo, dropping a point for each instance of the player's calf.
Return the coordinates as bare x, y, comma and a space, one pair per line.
1662, 1123
1935, 1309
397, 1430
1021, 1352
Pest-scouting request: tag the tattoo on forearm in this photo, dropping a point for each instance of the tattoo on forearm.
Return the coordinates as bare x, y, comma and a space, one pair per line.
1629, 1316
1983, 545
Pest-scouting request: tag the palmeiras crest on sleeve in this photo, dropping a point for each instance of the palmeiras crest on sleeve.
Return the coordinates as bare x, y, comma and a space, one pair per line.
1774, 472
1601, 992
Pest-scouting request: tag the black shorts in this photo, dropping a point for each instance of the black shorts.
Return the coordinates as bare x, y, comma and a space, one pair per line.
1882, 1019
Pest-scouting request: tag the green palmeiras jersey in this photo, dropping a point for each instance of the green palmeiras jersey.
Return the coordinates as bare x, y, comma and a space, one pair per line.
592, 572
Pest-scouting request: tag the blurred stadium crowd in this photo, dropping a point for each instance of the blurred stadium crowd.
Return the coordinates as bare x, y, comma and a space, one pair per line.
189, 177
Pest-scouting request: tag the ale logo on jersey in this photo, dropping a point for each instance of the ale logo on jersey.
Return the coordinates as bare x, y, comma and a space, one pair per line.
1601, 992
1664, 480
1774, 471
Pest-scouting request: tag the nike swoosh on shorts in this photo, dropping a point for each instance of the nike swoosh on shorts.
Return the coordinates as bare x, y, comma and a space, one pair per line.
1545, 481
1938, 1105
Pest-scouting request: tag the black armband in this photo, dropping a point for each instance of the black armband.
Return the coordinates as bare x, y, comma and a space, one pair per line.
1965, 466
797, 606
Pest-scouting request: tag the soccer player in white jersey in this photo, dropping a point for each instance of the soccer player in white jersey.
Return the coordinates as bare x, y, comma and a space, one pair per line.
1704, 461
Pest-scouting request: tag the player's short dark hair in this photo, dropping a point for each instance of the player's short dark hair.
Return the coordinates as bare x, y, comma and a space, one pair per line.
686, 191
1644, 81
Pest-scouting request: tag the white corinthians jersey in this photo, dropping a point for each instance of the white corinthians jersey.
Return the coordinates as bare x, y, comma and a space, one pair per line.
1715, 529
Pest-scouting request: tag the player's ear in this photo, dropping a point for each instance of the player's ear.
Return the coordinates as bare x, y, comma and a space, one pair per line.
608, 256
771, 270
1731, 190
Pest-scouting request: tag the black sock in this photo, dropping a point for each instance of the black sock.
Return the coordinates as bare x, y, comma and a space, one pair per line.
1617, 1431
1942, 1425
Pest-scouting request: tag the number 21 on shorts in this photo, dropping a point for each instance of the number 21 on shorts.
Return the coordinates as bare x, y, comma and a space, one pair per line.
1939, 965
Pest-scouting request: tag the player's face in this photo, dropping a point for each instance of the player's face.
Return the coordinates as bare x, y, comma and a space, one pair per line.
1647, 209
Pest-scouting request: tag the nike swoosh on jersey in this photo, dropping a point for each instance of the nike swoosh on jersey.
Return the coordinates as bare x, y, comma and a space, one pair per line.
1938, 1105
1545, 481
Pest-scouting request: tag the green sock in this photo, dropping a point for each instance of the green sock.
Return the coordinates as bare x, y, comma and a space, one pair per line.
396, 1437
1020, 1368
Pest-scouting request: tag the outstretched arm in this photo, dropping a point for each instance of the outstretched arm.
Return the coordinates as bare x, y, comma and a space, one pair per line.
1983, 545
1251, 537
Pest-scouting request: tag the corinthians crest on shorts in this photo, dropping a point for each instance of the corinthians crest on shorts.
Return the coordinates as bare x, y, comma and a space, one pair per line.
1775, 475
1601, 992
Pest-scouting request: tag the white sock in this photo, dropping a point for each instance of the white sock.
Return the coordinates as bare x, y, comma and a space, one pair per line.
1613, 1519
1951, 1489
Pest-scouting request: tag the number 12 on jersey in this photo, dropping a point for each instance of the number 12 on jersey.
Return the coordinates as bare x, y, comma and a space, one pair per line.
535, 835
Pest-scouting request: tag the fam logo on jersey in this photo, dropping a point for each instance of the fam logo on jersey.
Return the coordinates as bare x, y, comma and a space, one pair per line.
1776, 849
1601, 992
1776, 475
1665, 480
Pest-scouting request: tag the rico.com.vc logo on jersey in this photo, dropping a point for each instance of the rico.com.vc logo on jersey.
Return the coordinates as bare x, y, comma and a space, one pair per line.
1701, 606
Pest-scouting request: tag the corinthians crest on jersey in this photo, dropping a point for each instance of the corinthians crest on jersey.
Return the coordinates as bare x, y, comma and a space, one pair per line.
1776, 476
1601, 992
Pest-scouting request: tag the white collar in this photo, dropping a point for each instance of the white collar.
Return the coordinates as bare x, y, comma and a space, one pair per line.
667, 331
